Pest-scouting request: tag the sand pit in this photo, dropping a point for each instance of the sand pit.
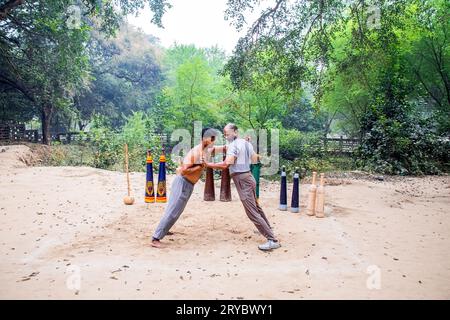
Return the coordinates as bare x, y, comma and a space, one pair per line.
66, 234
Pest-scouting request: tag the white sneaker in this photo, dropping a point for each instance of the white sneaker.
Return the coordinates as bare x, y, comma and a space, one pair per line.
269, 245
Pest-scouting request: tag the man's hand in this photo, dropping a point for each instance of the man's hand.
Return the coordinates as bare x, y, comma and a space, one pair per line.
208, 164
203, 161
256, 158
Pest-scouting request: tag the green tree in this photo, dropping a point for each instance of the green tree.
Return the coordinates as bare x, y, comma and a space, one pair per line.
43, 51
126, 75
41, 58
194, 89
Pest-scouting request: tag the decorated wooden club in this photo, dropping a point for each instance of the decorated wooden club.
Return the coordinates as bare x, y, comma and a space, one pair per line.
320, 206
283, 191
161, 191
310, 210
295, 202
149, 185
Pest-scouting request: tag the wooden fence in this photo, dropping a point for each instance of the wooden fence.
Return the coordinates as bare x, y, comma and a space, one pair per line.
12, 132
17, 132
340, 145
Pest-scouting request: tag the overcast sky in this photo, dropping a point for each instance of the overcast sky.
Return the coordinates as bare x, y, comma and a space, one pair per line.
199, 22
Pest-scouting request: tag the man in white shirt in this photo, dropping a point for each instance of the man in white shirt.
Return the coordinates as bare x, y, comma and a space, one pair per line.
239, 157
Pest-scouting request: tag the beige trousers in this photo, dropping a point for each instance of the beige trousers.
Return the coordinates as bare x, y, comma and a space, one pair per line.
246, 187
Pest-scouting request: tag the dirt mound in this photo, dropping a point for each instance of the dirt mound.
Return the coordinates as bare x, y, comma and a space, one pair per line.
16, 156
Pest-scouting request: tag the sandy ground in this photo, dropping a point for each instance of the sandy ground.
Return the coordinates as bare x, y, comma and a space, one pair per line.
65, 234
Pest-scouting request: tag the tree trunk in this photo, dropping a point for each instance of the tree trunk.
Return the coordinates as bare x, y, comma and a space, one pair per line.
8, 6
81, 125
46, 116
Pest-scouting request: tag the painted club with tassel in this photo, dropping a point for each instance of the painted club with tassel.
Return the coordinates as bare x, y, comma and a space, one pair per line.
295, 202
161, 191
320, 206
149, 185
283, 191
310, 210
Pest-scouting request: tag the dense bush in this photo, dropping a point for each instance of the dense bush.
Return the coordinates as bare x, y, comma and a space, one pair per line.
407, 147
305, 150
105, 143
108, 143
295, 144
64, 155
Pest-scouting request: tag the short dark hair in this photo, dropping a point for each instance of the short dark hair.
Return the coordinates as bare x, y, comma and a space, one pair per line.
208, 132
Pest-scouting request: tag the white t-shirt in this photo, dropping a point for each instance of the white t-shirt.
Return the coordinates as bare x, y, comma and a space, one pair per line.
243, 151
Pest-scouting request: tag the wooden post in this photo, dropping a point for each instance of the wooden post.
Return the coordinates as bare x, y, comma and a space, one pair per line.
225, 185
209, 194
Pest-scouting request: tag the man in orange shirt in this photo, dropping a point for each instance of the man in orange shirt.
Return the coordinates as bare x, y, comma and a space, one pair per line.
188, 175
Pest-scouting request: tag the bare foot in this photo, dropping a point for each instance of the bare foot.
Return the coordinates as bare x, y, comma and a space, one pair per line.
157, 244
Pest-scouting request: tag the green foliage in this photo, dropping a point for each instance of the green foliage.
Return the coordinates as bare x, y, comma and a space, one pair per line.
105, 143
308, 68
139, 134
108, 144
194, 89
288, 42
409, 147
42, 58
305, 150
261, 106
43, 50
301, 115
69, 155
295, 144
395, 73
126, 75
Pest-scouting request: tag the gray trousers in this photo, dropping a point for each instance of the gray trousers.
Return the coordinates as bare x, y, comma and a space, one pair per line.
246, 187
180, 193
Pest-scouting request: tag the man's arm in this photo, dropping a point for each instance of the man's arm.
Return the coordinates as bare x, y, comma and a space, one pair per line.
229, 160
255, 158
189, 165
217, 149
189, 169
